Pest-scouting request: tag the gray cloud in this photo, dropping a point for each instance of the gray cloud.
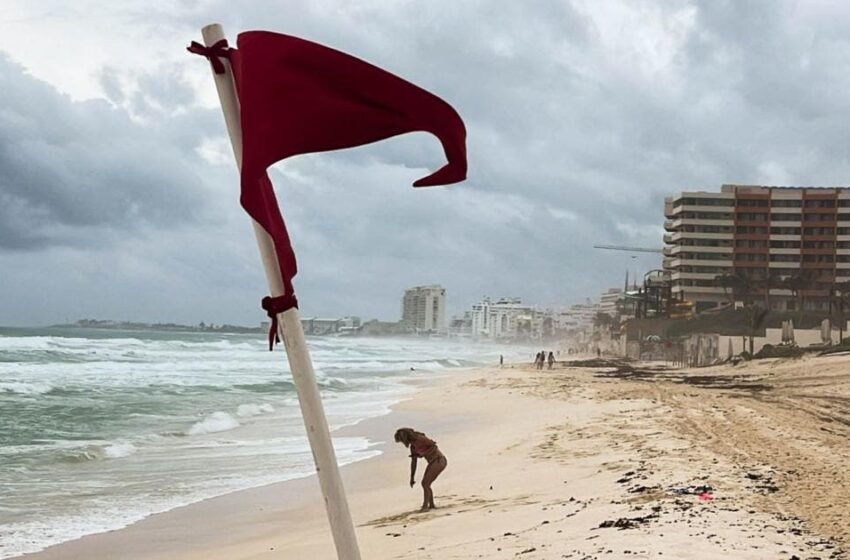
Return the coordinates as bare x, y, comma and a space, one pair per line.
70, 168
582, 116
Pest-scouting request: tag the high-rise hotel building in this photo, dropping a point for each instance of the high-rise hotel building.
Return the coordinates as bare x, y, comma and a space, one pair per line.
770, 233
423, 309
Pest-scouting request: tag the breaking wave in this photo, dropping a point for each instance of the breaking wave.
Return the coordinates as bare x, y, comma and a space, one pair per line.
216, 422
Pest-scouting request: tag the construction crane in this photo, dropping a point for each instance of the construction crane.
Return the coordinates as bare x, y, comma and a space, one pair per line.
629, 249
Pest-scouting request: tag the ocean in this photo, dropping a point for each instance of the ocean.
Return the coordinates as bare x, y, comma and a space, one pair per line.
101, 428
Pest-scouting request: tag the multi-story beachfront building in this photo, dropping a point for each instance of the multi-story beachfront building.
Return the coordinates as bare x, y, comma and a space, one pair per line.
501, 319
423, 309
793, 244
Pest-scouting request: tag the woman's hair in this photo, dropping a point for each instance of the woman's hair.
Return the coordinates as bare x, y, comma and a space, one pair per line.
406, 436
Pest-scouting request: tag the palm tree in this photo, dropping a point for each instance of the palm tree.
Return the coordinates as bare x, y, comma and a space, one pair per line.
738, 285
842, 296
742, 285
755, 317
771, 280
797, 283
727, 282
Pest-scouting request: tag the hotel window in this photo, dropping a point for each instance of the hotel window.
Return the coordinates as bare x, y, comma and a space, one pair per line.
818, 231
750, 230
781, 203
784, 258
752, 217
752, 202
786, 217
751, 257
711, 202
818, 217
827, 203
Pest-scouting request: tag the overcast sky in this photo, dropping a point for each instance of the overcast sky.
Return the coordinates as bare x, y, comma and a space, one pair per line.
119, 196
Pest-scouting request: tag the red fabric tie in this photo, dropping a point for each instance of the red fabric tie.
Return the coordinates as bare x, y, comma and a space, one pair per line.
273, 306
214, 53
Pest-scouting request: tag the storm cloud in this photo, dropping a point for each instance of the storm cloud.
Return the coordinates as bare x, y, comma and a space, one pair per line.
581, 117
72, 171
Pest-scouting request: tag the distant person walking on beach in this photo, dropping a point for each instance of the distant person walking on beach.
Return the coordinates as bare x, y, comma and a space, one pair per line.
542, 359
421, 446
551, 359
537, 361
501, 360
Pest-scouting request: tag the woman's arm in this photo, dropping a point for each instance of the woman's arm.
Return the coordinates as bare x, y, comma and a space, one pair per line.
413, 459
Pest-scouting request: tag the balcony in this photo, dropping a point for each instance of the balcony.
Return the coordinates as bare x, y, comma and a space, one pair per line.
699, 290
670, 225
717, 263
715, 249
694, 275
718, 235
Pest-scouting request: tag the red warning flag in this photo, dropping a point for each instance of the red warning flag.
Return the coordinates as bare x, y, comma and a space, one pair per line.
299, 97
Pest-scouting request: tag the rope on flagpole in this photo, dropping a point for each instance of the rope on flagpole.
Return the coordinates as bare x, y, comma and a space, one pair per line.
289, 325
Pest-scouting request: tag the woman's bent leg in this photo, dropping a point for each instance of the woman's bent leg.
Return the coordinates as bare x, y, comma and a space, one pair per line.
431, 473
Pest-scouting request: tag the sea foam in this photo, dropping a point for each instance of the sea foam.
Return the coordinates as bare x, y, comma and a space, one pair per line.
22, 388
216, 422
119, 450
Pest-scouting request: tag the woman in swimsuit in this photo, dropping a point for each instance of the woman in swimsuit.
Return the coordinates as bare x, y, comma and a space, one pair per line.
421, 446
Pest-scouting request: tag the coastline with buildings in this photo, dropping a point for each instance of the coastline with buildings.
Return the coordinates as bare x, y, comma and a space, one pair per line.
644, 358
425, 280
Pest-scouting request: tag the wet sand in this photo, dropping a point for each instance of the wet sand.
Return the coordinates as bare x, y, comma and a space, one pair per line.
600, 461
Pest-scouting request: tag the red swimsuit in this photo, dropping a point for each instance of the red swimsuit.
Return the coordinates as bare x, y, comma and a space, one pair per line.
422, 446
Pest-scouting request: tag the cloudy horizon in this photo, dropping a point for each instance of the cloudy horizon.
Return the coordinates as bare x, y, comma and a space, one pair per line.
118, 193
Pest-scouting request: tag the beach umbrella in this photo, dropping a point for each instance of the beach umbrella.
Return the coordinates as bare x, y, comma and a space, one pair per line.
282, 96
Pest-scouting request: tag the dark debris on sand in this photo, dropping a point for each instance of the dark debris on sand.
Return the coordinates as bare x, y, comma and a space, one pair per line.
628, 522
619, 369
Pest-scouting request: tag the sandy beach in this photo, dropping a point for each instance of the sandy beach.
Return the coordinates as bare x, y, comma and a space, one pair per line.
599, 461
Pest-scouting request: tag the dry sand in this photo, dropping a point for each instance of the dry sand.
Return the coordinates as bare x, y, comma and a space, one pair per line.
577, 462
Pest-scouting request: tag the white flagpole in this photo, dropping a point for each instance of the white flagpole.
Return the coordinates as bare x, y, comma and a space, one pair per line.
290, 330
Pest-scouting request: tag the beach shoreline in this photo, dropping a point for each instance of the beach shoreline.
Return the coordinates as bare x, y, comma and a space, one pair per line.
569, 463
109, 429
154, 536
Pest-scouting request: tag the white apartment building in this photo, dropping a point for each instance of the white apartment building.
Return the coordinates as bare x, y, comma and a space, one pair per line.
498, 319
423, 309
769, 234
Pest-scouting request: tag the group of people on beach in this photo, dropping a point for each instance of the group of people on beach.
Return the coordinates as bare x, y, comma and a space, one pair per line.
541, 359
